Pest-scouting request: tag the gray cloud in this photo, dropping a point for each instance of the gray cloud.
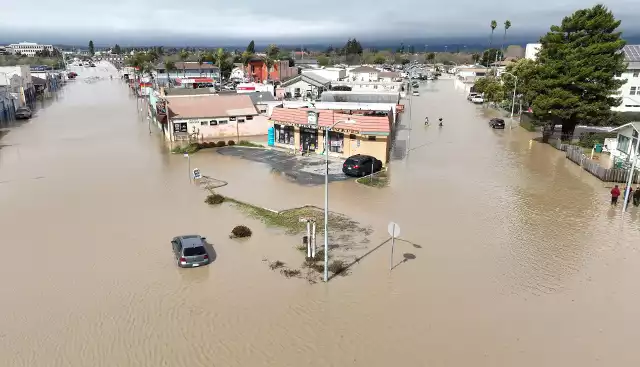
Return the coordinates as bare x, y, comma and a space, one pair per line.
286, 19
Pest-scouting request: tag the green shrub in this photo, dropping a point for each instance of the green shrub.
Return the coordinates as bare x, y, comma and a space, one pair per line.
588, 140
276, 265
290, 273
214, 199
231, 142
220, 144
240, 232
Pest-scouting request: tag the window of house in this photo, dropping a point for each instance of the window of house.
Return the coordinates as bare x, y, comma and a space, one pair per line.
371, 138
623, 143
213, 122
632, 91
203, 123
249, 118
232, 118
636, 73
222, 122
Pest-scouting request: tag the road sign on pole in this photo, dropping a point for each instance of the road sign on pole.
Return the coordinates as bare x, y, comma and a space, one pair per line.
196, 174
394, 231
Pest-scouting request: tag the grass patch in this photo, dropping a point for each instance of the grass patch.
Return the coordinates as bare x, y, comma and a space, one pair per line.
189, 149
338, 267
246, 143
379, 179
214, 199
289, 220
290, 273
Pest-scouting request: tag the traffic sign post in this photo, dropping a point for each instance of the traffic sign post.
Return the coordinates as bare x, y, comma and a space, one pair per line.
196, 174
394, 231
186, 155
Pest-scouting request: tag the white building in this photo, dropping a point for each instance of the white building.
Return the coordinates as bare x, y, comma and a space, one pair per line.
370, 86
363, 74
18, 80
307, 85
630, 91
238, 73
332, 74
29, 48
531, 51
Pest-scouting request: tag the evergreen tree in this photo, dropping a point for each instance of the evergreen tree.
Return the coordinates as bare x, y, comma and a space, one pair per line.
251, 48
92, 51
116, 49
578, 63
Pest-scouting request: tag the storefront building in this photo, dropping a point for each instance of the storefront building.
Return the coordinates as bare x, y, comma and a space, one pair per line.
303, 130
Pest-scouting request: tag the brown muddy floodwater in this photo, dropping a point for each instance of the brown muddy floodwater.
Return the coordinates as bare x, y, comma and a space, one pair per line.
519, 261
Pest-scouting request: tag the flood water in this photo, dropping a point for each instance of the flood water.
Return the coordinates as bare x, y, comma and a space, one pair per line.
519, 260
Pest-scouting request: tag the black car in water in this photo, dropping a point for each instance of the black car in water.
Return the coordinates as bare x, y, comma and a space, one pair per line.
361, 165
496, 123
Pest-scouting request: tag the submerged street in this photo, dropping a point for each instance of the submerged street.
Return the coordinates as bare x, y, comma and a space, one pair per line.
519, 259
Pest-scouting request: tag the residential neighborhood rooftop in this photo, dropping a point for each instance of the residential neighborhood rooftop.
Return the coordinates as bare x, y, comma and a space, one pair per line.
365, 69
326, 118
189, 65
258, 97
205, 106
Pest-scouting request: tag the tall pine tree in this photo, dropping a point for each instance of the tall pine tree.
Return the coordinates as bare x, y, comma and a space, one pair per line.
578, 63
251, 48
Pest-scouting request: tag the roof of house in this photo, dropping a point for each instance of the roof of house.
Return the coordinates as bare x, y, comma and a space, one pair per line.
365, 69
389, 74
38, 81
635, 125
354, 97
310, 78
189, 65
257, 97
188, 91
631, 52
326, 118
205, 106
306, 62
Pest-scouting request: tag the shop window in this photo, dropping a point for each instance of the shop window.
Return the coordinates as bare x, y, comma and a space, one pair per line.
336, 142
352, 136
284, 134
203, 123
371, 138
222, 122
232, 118
632, 91
249, 118
240, 121
213, 122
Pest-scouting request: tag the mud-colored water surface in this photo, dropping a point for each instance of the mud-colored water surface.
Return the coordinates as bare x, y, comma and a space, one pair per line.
509, 254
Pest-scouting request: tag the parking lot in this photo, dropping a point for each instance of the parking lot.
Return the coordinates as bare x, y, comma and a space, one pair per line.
307, 170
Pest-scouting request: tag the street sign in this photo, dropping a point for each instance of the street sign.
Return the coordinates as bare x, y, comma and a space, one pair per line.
186, 155
196, 174
394, 229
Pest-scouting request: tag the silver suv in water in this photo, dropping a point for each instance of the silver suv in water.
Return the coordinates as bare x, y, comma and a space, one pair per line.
190, 251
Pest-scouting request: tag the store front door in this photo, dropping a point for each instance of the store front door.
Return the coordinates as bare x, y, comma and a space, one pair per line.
308, 139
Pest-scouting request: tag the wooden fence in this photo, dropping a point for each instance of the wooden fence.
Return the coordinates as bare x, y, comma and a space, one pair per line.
577, 156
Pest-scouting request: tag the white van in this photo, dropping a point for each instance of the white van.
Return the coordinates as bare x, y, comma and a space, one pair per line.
415, 93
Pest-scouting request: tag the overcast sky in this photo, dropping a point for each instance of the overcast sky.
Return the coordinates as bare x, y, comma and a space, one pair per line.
284, 20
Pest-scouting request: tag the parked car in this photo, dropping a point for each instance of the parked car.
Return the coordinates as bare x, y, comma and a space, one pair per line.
190, 251
23, 113
415, 93
477, 99
361, 165
496, 123
471, 95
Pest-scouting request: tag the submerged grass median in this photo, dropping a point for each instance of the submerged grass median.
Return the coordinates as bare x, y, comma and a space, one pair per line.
346, 236
379, 179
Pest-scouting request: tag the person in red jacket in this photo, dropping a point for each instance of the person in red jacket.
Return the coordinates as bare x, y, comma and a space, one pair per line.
615, 192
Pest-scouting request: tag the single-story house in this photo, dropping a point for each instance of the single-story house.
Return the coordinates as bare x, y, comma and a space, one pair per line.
364, 74
213, 117
627, 143
303, 129
307, 85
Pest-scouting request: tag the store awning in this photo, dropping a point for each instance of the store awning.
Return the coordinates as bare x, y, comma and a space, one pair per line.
194, 80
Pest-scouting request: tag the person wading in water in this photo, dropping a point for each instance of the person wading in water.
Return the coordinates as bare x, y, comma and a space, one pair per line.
615, 192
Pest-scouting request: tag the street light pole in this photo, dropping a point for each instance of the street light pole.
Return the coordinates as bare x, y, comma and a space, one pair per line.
630, 180
326, 195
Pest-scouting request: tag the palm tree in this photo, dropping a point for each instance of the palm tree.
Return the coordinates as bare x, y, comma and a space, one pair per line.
201, 60
269, 62
246, 56
494, 24
220, 58
507, 25
184, 56
169, 67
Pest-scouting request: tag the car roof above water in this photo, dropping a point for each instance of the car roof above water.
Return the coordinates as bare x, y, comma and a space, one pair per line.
191, 240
